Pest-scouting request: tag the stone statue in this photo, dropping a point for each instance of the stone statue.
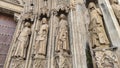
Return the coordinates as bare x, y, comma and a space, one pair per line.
23, 41
62, 48
96, 27
62, 42
116, 9
41, 40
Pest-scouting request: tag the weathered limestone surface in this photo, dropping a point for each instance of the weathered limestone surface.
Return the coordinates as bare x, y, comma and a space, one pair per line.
54, 34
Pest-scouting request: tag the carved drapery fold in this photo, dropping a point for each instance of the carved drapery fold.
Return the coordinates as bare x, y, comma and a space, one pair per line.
62, 47
21, 44
40, 44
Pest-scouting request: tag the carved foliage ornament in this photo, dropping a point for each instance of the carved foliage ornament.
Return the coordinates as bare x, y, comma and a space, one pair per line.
62, 47
106, 59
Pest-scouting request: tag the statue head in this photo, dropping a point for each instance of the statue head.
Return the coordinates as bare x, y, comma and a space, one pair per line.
44, 20
27, 24
91, 5
62, 16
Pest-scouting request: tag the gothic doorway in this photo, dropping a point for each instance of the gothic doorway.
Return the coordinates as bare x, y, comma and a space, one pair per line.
7, 28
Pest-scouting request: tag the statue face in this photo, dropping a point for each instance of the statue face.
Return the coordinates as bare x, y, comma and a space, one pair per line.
27, 24
44, 20
62, 16
92, 6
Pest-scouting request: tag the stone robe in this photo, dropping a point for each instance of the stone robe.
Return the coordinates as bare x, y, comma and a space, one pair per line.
22, 42
62, 42
97, 29
41, 40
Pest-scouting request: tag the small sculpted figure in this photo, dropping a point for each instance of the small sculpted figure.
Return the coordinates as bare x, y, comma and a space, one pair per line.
62, 42
106, 59
96, 27
23, 41
41, 40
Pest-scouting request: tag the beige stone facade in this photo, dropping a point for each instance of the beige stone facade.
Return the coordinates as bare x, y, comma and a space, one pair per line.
64, 33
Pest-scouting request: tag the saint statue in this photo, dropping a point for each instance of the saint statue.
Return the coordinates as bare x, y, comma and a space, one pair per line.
96, 27
23, 41
62, 42
41, 40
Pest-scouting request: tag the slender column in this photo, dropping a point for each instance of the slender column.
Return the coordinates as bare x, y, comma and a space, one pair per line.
78, 35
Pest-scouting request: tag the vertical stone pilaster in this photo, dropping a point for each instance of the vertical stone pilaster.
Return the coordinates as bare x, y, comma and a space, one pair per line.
78, 34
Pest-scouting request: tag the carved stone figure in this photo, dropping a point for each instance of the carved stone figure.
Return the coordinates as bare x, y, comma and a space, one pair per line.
41, 40
106, 59
62, 42
62, 48
96, 27
116, 9
22, 41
